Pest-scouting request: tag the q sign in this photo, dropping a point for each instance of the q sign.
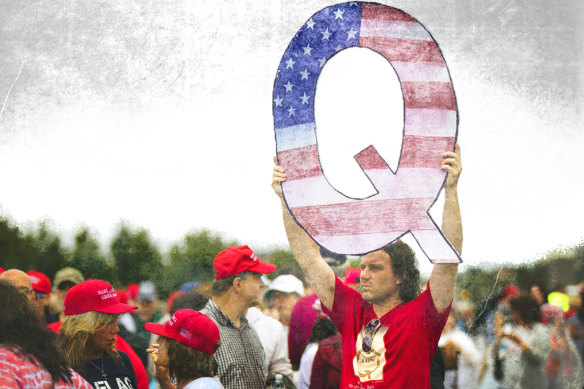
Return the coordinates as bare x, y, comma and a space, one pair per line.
357, 226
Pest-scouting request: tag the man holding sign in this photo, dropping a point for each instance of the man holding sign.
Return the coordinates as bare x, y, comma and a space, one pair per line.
390, 333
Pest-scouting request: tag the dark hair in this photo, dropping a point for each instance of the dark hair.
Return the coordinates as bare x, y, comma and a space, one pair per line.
186, 363
222, 285
541, 288
338, 259
189, 300
21, 327
322, 329
405, 269
527, 308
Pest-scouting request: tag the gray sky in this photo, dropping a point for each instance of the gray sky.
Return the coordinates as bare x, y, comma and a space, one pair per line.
159, 114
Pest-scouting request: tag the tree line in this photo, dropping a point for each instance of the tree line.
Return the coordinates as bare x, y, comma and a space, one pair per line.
132, 257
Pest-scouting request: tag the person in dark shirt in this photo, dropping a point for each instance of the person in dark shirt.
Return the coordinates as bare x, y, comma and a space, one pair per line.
88, 336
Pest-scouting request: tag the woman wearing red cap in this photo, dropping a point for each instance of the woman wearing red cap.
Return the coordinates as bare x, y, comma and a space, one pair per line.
187, 344
28, 356
88, 336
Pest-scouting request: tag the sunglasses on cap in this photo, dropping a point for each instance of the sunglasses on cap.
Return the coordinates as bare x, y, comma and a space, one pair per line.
370, 328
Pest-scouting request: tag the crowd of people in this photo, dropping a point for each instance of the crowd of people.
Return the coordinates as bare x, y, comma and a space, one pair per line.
331, 326
524, 342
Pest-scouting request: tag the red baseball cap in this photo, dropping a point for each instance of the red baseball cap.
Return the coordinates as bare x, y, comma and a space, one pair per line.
191, 328
40, 282
122, 296
352, 276
132, 291
172, 297
237, 259
94, 295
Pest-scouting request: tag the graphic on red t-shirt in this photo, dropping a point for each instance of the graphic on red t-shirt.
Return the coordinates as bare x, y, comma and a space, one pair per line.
369, 366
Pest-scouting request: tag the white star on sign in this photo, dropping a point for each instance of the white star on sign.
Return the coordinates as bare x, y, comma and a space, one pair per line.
338, 48
305, 74
291, 111
310, 24
290, 64
278, 101
353, 3
288, 87
339, 14
304, 99
326, 34
351, 34
322, 61
307, 49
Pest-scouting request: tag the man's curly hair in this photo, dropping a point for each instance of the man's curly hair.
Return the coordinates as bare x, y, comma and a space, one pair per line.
405, 268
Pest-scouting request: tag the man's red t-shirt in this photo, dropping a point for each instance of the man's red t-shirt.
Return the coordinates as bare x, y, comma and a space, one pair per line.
403, 346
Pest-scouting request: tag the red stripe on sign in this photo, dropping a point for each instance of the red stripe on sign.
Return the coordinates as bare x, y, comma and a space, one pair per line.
425, 94
300, 163
404, 50
365, 217
370, 159
383, 12
424, 151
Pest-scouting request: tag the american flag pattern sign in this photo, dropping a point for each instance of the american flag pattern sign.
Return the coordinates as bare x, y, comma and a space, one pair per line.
357, 226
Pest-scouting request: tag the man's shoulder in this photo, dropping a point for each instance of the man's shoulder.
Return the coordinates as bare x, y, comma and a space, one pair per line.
257, 318
424, 297
212, 311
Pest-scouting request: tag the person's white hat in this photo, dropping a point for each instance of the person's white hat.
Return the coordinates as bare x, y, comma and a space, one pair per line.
286, 283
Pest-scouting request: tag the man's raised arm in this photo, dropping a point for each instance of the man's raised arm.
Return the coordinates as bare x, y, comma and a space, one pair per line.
305, 250
443, 277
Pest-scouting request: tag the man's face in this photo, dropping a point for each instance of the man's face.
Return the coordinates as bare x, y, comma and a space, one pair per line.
251, 289
62, 290
21, 281
537, 294
378, 283
146, 308
284, 302
42, 300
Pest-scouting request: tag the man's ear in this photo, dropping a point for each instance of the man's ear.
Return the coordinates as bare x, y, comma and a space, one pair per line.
399, 280
236, 283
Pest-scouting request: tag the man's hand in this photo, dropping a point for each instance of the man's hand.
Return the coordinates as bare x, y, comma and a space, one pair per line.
277, 178
453, 167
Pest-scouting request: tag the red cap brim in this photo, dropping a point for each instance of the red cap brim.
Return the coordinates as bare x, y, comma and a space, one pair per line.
263, 268
157, 329
116, 309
